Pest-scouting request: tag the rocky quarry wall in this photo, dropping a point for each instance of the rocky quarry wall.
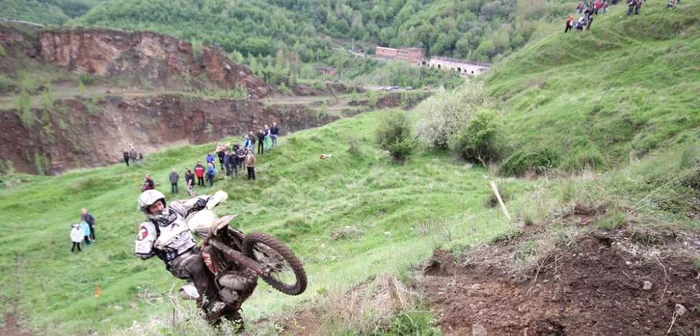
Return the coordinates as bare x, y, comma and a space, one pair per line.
85, 133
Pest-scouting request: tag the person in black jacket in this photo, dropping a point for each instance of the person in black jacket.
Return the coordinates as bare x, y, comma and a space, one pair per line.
233, 161
274, 133
126, 157
221, 153
261, 142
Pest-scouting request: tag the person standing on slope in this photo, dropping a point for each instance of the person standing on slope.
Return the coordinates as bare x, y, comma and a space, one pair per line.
199, 171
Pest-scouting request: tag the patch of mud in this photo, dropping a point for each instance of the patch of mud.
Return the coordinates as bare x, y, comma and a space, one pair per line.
12, 327
603, 283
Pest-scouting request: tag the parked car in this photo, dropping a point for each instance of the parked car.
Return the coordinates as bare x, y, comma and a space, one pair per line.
409, 88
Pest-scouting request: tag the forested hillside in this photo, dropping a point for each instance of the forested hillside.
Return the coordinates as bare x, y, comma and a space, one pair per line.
45, 11
474, 29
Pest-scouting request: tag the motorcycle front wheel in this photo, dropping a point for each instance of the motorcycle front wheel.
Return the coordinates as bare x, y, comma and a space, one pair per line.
285, 271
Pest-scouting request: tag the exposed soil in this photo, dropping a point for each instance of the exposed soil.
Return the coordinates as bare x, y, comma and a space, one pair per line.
603, 283
12, 328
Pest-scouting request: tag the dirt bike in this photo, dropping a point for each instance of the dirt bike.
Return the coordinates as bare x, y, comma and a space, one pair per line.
233, 257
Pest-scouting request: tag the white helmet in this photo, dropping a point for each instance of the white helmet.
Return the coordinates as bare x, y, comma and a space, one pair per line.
150, 197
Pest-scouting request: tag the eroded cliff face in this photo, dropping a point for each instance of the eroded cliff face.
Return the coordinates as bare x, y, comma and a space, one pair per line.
92, 134
161, 60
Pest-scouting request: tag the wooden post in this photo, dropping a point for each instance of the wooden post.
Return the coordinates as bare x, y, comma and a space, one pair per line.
500, 200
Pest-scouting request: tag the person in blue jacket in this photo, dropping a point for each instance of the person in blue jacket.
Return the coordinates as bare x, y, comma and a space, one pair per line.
211, 173
86, 232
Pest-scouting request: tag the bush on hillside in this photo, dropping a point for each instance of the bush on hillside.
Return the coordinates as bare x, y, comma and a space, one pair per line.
522, 162
394, 134
481, 139
442, 115
587, 158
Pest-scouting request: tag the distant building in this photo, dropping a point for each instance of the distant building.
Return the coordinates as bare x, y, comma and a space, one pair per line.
411, 55
463, 67
388, 53
326, 71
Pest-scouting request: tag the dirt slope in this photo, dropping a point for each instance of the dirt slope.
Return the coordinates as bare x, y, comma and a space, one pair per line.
622, 283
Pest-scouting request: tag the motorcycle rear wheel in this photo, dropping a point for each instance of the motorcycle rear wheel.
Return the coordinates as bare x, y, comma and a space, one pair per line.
279, 259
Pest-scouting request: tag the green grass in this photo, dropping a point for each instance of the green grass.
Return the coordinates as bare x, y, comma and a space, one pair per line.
551, 89
404, 211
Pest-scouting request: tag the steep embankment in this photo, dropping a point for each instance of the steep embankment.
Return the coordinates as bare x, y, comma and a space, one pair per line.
79, 133
628, 86
141, 58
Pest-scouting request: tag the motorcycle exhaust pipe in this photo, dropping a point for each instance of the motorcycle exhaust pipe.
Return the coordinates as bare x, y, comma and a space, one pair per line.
238, 257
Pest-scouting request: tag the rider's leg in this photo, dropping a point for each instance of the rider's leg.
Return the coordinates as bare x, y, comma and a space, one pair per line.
194, 266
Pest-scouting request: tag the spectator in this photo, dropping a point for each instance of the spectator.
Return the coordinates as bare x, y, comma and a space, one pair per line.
211, 173
210, 158
630, 6
76, 236
199, 172
247, 143
86, 232
240, 158
579, 8
133, 155
233, 160
261, 142
252, 138
274, 133
189, 181
605, 6
637, 6
126, 157
268, 141
148, 183
90, 220
222, 155
227, 163
250, 165
569, 23
174, 177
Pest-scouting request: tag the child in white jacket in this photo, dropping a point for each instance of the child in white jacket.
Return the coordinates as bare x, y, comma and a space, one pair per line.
76, 236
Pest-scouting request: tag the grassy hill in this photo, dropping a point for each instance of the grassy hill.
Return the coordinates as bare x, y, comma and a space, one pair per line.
402, 211
627, 87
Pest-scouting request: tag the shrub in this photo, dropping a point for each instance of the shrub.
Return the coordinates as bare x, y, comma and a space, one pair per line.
481, 139
444, 114
522, 162
87, 79
394, 135
6, 83
585, 158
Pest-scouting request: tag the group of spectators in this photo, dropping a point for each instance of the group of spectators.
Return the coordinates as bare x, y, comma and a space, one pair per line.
131, 155
83, 232
589, 10
232, 158
266, 138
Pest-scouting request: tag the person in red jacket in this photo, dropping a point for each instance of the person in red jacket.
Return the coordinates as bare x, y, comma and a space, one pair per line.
199, 172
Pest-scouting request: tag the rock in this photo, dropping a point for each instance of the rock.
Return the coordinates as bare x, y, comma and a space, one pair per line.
680, 309
478, 330
647, 285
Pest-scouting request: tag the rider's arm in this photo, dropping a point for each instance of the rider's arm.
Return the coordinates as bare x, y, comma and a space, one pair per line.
189, 206
144, 241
